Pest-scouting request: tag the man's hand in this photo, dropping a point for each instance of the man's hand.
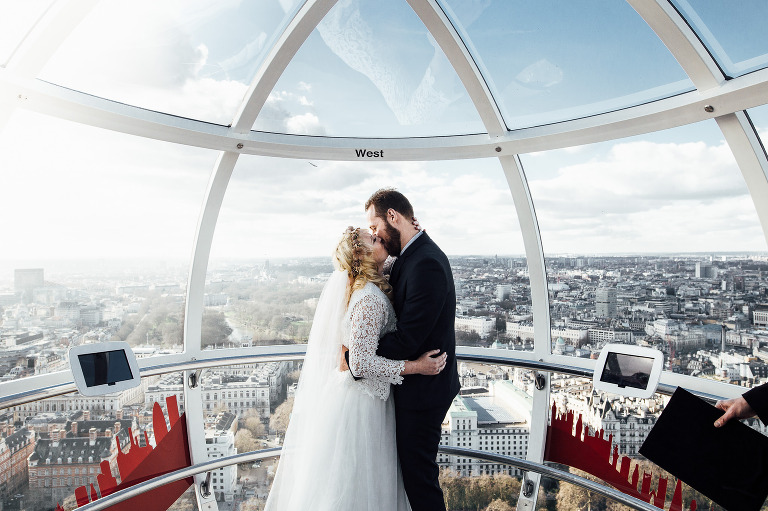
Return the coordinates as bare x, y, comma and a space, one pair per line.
734, 408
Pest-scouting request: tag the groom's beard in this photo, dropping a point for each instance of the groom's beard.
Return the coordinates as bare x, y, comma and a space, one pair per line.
391, 241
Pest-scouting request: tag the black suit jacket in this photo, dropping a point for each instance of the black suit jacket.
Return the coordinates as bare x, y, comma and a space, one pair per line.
757, 398
425, 304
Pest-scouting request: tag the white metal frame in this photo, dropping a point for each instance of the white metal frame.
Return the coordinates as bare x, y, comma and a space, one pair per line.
726, 101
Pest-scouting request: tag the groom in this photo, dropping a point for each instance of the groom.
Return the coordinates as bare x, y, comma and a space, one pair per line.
425, 304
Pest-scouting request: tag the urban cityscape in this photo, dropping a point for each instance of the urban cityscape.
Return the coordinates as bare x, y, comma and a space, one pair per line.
708, 314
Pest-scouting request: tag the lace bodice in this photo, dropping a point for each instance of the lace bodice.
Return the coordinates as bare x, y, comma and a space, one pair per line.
369, 316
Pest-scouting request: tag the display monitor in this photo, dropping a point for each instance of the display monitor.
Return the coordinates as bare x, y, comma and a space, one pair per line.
104, 368
628, 370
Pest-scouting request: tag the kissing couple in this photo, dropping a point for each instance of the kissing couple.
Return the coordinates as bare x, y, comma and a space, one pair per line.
351, 444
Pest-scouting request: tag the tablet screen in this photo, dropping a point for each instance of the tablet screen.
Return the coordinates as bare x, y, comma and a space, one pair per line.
627, 370
105, 368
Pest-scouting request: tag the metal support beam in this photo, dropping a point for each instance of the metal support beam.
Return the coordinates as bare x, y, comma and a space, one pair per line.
750, 156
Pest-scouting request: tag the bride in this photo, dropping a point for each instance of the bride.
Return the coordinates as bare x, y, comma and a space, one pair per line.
339, 451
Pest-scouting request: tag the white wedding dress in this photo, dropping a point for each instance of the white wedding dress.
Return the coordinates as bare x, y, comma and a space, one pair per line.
339, 451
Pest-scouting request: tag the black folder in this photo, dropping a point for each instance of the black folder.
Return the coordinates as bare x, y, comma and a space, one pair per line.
727, 464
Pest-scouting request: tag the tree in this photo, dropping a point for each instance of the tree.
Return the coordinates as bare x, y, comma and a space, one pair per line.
255, 426
472, 493
467, 338
293, 377
575, 498
70, 503
279, 420
252, 504
187, 502
215, 329
499, 505
244, 441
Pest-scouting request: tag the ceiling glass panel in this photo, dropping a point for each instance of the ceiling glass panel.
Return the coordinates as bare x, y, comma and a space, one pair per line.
624, 225
16, 20
281, 220
370, 69
191, 59
552, 61
733, 33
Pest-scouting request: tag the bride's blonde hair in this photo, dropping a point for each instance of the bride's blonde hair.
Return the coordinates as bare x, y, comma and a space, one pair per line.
354, 253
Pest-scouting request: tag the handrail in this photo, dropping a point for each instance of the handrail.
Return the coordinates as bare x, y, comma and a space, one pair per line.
176, 475
273, 452
214, 358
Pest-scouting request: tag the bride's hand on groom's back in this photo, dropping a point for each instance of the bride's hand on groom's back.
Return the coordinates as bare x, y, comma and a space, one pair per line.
430, 363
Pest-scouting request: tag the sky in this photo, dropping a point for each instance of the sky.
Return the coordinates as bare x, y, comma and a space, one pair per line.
70, 191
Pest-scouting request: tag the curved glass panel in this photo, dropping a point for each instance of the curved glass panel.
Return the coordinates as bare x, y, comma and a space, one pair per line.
173, 58
16, 20
99, 226
370, 69
652, 240
568, 60
281, 220
729, 34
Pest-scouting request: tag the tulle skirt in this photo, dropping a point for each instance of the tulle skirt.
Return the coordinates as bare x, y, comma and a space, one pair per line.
340, 454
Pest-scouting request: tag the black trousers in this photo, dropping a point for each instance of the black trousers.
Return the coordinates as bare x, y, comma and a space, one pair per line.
418, 437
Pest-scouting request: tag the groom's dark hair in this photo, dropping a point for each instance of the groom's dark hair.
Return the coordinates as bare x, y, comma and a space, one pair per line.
386, 198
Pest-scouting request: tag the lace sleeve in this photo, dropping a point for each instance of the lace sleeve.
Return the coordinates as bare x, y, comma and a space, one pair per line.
366, 321
388, 264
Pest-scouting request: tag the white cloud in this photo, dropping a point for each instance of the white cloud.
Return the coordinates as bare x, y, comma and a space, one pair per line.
306, 124
150, 61
648, 197
350, 37
540, 74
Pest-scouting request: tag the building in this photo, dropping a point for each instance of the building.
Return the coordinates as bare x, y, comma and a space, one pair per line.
109, 403
485, 423
524, 331
704, 270
571, 336
69, 311
60, 464
503, 291
481, 325
760, 318
628, 425
605, 302
14, 451
26, 280
520, 329
662, 327
235, 393
219, 443
628, 421
90, 315
600, 336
